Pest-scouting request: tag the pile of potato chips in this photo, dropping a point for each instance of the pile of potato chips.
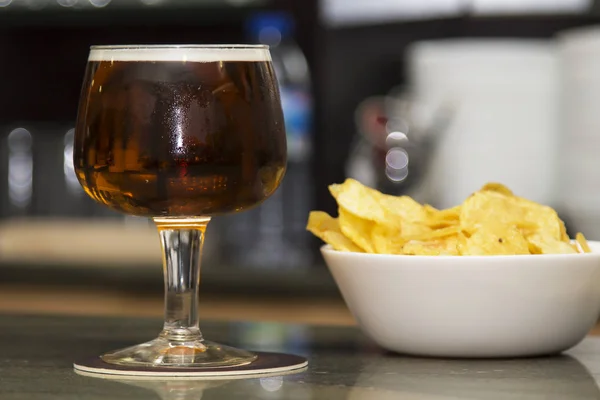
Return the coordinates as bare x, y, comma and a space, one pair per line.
492, 221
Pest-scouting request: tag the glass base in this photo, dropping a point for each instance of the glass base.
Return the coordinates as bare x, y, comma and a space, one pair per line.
161, 352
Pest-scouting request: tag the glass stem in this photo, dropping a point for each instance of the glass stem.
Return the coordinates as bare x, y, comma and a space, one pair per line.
182, 240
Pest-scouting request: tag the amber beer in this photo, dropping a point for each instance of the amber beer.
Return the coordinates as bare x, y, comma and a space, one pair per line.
177, 133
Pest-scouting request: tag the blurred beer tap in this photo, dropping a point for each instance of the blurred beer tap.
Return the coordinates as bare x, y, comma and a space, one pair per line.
395, 142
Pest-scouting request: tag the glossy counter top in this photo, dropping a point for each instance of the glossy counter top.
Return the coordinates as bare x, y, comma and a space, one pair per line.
36, 355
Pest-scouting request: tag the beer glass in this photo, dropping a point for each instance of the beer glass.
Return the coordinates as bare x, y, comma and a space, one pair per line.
180, 134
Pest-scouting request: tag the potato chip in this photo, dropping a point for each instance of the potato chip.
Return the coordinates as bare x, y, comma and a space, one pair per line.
339, 242
435, 234
461, 243
483, 207
582, 242
359, 200
319, 221
430, 209
442, 218
563, 233
527, 228
356, 229
326, 228
451, 214
496, 239
387, 240
403, 207
441, 247
451, 245
496, 187
534, 249
410, 229
544, 217
492, 221
547, 244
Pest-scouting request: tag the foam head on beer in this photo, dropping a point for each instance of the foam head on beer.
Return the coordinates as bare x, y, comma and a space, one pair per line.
181, 53
180, 131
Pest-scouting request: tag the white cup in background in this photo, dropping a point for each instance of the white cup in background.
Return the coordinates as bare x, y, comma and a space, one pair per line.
504, 94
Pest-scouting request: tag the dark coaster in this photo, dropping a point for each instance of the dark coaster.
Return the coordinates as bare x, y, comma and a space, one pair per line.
265, 364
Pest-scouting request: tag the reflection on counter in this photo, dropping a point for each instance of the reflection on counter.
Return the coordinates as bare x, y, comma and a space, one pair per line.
272, 336
342, 366
390, 378
540, 379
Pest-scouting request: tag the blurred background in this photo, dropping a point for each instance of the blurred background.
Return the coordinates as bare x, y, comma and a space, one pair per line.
426, 98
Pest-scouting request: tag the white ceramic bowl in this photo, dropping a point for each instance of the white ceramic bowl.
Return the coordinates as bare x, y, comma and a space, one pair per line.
473, 306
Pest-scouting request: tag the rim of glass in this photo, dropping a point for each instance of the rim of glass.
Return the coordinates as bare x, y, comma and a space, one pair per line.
180, 46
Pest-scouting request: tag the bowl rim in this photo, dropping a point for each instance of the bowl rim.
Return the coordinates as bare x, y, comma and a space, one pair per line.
595, 245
